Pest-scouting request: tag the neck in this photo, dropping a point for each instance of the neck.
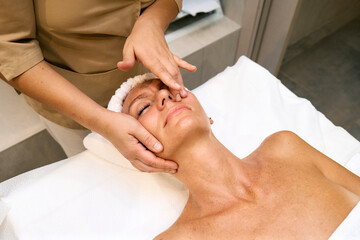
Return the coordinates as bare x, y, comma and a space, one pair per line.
215, 177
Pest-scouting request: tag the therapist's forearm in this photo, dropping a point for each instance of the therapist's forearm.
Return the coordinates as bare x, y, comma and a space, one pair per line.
45, 85
160, 13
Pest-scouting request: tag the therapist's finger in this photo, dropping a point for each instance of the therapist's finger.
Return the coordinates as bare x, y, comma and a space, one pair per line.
146, 138
168, 78
128, 61
169, 75
140, 166
178, 62
184, 65
151, 160
145, 168
173, 72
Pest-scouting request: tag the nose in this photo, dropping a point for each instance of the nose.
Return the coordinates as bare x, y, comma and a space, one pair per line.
163, 96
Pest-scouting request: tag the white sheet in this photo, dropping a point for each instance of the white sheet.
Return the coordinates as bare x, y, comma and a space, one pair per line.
99, 195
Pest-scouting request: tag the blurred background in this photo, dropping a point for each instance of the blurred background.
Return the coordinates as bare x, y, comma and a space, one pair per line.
313, 47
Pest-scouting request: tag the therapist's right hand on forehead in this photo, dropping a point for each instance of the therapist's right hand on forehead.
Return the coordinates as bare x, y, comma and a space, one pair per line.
131, 142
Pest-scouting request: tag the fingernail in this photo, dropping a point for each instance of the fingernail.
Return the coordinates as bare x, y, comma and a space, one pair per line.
178, 97
157, 146
172, 171
183, 92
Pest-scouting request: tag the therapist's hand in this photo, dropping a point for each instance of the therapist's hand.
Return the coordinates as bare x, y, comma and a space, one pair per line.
130, 138
147, 44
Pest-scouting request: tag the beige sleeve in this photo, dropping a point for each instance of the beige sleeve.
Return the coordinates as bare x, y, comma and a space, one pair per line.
19, 50
179, 4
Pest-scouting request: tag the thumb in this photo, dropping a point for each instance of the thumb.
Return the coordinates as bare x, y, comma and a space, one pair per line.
148, 140
128, 59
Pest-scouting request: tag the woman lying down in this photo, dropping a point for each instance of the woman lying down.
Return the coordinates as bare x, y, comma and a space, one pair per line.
285, 189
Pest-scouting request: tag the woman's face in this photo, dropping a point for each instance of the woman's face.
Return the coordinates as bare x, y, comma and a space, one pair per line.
169, 121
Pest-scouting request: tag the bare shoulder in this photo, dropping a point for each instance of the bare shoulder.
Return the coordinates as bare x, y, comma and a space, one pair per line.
283, 137
283, 143
288, 146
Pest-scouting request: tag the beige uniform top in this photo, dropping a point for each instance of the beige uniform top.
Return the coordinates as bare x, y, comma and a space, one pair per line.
82, 40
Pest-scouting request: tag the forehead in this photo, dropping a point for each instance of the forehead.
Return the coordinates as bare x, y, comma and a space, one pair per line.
146, 83
142, 86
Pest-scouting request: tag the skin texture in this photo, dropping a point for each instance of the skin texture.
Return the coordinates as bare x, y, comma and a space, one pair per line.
285, 189
43, 84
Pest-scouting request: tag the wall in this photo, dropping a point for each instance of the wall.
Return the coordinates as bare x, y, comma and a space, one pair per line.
246, 13
265, 28
317, 14
234, 9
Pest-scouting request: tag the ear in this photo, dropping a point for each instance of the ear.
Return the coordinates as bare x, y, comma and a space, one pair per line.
211, 121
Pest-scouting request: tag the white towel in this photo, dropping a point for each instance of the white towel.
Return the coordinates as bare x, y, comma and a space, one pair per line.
354, 164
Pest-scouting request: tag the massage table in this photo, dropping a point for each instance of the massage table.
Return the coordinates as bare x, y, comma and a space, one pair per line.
97, 194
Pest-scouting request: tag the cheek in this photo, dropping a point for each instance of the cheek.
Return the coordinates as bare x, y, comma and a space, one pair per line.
192, 101
151, 123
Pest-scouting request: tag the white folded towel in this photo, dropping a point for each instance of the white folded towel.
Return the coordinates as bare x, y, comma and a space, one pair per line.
353, 165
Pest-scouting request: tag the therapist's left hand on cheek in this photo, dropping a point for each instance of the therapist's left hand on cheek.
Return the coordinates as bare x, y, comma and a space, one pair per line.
135, 143
147, 44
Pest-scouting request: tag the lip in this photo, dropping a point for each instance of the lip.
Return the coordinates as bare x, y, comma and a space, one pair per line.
174, 111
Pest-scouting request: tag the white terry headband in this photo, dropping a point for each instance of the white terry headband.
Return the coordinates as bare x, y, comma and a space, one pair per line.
117, 100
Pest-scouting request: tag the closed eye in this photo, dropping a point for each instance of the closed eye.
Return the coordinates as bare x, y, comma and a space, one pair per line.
143, 109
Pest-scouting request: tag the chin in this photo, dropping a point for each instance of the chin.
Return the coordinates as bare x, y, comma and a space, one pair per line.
184, 130
187, 122
190, 126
